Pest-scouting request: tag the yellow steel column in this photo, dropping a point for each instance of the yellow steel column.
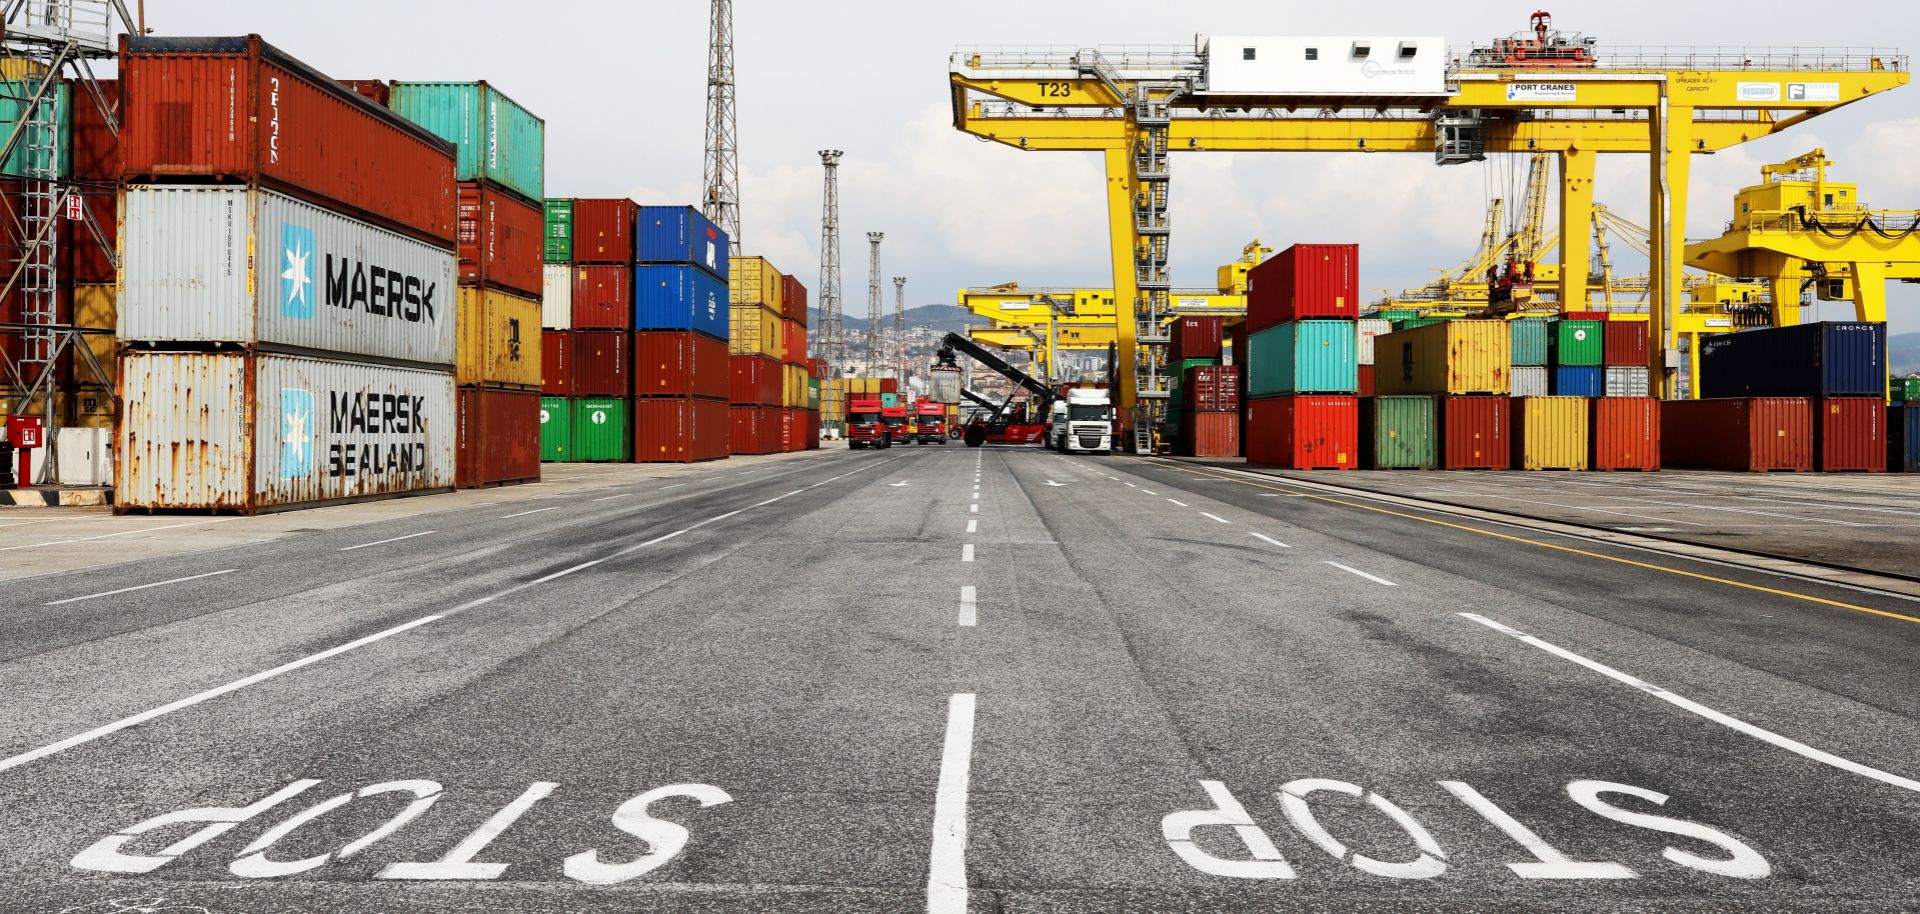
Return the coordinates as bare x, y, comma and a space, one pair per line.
1672, 134
1576, 227
1783, 292
1123, 236
1869, 291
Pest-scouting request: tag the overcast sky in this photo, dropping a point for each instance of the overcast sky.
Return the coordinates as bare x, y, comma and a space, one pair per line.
622, 88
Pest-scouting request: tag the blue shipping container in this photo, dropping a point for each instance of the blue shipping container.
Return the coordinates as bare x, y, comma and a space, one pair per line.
675, 296
1828, 359
680, 234
1579, 381
1903, 439
1529, 341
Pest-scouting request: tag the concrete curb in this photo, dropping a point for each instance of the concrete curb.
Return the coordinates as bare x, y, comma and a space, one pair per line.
56, 498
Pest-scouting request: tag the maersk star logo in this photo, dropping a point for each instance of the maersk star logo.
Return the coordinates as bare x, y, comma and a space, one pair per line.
296, 433
296, 276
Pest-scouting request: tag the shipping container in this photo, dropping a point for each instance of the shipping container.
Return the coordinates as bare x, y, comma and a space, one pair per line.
556, 296
601, 432
499, 339
1399, 433
1211, 389
1626, 344
754, 330
496, 140
1364, 332
1196, 336
229, 263
680, 234
679, 363
499, 241
556, 362
1529, 342
793, 342
793, 300
1903, 439
1366, 381
1849, 434
1580, 343
559, 231
252, 432
755, 380
376, 91
943, 385
1551, 433
1830, 359
793, 386
602, 230
1475, 433
1904, 390
96, 147
1530, 381
1211, 434
556, 429
240, 108
753, 429
1307, 432
754, 281
1577, 381
680, 429
86, 257
1303, 281
1311, 356
499, 439
602, 297
28, 159
1625, 434
676, 297
602, 363
1448, 357
1623, 381
1755, 434
95, 307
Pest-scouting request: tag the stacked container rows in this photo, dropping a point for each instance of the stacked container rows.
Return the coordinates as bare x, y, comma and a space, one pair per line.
775, 399
1203, 411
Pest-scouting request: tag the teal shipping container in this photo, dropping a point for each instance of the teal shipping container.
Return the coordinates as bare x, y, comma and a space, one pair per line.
13, 104
889, 400
498, 140
1530, 341
1578, 343
1399, 433
1304, 357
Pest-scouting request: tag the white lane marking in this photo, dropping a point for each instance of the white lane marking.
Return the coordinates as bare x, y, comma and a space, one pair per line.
1215, 517
674, 486
976, 496
612, 497
976, 487
1268, 539
95, 596
1132, 486
23, 758
973, 509
108, 536
966, 553
1352, 570
968, 610
1150, 491
525, 513
1725, 720
973, 526
947, 871
1180, 503
384, 542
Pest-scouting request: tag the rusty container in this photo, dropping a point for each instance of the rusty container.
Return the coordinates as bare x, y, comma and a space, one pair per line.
499, 437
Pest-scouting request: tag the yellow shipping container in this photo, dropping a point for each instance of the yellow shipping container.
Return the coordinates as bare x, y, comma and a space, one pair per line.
497, 339
754, 330
754, 281
794, 389
95, 308
1551, 433
1451, 357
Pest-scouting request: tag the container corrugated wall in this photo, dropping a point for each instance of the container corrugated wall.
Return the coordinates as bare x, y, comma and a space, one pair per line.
1625, 381
556, 296
754, 281
500, 436
679, 364
1307, 432
1850, 434
1399, 433
1530, 381
1311, 356
602, 231
1831, 359
1475, 433
680, 429
556, 361
602, 363
556, 429
1365, 331
600, 432
1577, 342
679, 297
1449, 357
1551, 433
225, 263
1626, 343
754, 331
1303, 281
559, 230
680, 234
1903, 438
495, 139
1626, 433
1577, 381
1529, 342
499, 339
1738, 433
602, 297
498, 235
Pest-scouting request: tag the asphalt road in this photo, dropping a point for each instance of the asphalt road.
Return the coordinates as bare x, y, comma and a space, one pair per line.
944, 680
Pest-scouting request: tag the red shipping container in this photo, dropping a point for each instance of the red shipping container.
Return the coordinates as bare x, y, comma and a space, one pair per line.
755, 380
889, 385
1625, 343
1210, 434
602, 364
240, 108
1754, 434
1196, 337
794, 337
1366, 380
680, 429
96, 148
500, 240
603, 230
1626, 433
1305, 432
1583, 315
603, 296
1306, 280
1211, 389
817, 368
755, 430
793, 297
1475, 433
84, 257
376, 91
556, 359
680, 363
499, 437
1850, 434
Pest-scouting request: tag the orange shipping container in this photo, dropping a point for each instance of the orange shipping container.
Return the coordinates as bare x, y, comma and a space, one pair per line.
1850, 434
1626, 433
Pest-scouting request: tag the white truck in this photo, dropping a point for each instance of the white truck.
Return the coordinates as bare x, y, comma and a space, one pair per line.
1083, 421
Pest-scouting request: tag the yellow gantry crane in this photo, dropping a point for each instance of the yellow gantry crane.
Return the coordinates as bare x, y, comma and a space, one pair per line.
1137, 106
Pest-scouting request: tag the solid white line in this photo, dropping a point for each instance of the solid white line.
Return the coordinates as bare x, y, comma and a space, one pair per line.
674, 486
1759, 733
967, 607
108, 536
973, 526
1376, 580
612, 497
95, 596
384, 542
1215, 517
1180, 503
525, 513
966, 553
23, 758
1265, 538
947, 869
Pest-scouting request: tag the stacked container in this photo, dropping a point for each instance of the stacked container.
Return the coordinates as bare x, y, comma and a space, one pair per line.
1530, 349
1467, 366
761, 383
801, 396
1576, 351
288, 304
1302, 358
1195, 418
1625, 355
1837, 369
680, 371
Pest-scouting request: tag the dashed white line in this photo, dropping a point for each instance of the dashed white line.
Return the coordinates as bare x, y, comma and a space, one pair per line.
674, 486
966, 553
384, 542
1268, 539
1150, 491
612, 497
95, 596
947, 869
968, 611
1353, 570
1177, 502
973, 509
1132, 486
973, 526
1726, 720
976, 496
1215, 517
525, 513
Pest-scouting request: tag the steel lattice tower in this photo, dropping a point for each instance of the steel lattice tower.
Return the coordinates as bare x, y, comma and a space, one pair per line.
873, 299
722, 204
833, 344
899, 353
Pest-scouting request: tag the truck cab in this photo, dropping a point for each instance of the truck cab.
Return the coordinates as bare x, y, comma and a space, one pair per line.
1082, 421
930, 423
894, 420
864, 426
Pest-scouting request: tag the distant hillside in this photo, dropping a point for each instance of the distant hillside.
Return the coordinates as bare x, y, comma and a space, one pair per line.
942, 318
1903, 353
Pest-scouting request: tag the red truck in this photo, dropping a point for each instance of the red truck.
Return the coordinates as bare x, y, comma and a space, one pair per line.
930, 423
865, 427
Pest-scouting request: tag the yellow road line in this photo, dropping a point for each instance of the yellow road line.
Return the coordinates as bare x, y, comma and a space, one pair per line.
1521, 539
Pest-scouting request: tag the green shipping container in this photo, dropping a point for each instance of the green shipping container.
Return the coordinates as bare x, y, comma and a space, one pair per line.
1304, 357
1578, 343
556, 419
600, 431
813, 393
1399, 433
1412, 322
1393, 314
559, 230
498, 140
1904, 390
1529, 341
13, 105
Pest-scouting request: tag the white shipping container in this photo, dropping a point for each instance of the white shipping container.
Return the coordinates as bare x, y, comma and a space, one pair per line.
259, 431
1626, 382
1529, 381
556, 297
239, 264
1368, 329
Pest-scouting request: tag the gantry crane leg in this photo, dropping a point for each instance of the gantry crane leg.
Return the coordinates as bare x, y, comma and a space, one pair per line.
1671, 160
1124, 234
1869, 291
1576, 215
